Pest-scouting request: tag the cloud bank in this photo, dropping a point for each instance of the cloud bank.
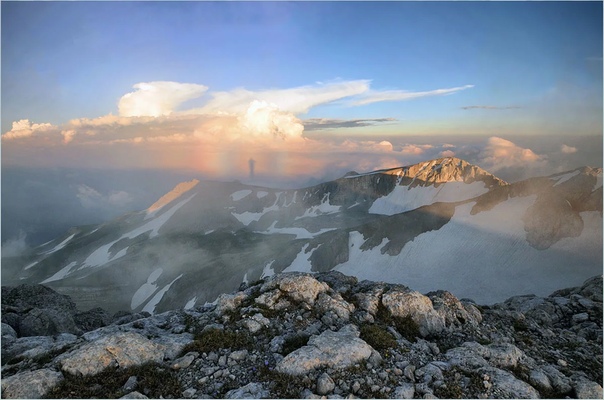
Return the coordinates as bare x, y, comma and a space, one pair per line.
218, 139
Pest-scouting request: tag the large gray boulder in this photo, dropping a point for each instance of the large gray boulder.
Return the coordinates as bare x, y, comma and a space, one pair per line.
31, 384
47, 322
404, 302
339, 350
118, 350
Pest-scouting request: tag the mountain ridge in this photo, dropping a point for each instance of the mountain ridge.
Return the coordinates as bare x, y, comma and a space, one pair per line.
452, 230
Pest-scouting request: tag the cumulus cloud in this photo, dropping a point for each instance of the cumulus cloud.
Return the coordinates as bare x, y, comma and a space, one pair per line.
263, 119
158, 98
568, 149
501, 153
399, 95
24, 128
315, 124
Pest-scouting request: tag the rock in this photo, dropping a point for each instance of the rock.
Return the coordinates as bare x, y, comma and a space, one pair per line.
338, 306
123, 349
92, 319
510, 385
130, 384
252, 390
592, 289
239, 355
47, 322
134, 395
37, 296
340, 349
454, 313
403, 302
8, 332
581, 317
404, 391
185, 361
229, 302
337, 281
539, 380
503, 355
588, 390
30, 385
300, 287
325, 384
189, 393
268, 299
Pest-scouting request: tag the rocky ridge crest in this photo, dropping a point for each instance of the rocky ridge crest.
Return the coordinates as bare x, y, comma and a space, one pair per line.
307, 336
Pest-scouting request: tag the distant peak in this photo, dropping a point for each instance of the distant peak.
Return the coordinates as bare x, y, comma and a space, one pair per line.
175, 193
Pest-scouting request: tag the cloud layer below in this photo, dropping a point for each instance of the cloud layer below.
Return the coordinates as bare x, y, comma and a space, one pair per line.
219, 138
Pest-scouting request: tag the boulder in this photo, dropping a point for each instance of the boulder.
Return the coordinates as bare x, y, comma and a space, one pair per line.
340, 350
47, 322
299, 287
92, 319
403, 302
31, 384
119, 350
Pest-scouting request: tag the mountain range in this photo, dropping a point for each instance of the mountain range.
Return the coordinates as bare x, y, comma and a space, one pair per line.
440, 224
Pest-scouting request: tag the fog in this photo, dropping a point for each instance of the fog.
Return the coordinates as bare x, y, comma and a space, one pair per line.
39, 204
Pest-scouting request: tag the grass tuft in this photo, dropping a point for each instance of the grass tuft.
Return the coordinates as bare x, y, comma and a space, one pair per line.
153, 381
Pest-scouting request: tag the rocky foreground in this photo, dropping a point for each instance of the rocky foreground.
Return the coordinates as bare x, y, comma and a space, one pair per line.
306, 336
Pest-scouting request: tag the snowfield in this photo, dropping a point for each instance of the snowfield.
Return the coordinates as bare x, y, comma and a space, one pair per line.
483, 257
405, 198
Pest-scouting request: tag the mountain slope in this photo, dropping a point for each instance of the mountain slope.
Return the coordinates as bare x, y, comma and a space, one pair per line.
439, 224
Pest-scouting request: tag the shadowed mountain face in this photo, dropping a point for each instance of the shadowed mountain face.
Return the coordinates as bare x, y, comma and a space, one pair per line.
441, 224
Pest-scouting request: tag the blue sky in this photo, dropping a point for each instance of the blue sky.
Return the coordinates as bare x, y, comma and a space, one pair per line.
523, 68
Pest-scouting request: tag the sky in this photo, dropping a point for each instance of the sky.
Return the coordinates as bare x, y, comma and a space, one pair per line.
308, 90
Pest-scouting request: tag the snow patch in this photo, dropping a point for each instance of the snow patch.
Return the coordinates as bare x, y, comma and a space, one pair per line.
322, 209
302, 261
563, 178
30, 265
240, 194
150, 306
301, 233
191, 303
146, 290
247, 217
405, 198
261, 194
60, 245
268, 270
245, 280
62, 273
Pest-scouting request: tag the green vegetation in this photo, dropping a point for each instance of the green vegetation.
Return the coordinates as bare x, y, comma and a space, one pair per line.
215, 339
377, 337
282, 386
153, 381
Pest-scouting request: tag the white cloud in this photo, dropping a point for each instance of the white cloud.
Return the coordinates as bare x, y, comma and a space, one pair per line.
568, 149
263, 119
295, 100
25, 128
501, 153
375, 96
157, 98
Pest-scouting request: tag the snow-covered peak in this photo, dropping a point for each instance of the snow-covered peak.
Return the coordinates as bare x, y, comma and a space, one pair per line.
440, 170
175, 193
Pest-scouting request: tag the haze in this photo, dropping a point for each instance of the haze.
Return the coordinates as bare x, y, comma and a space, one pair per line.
106, 106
